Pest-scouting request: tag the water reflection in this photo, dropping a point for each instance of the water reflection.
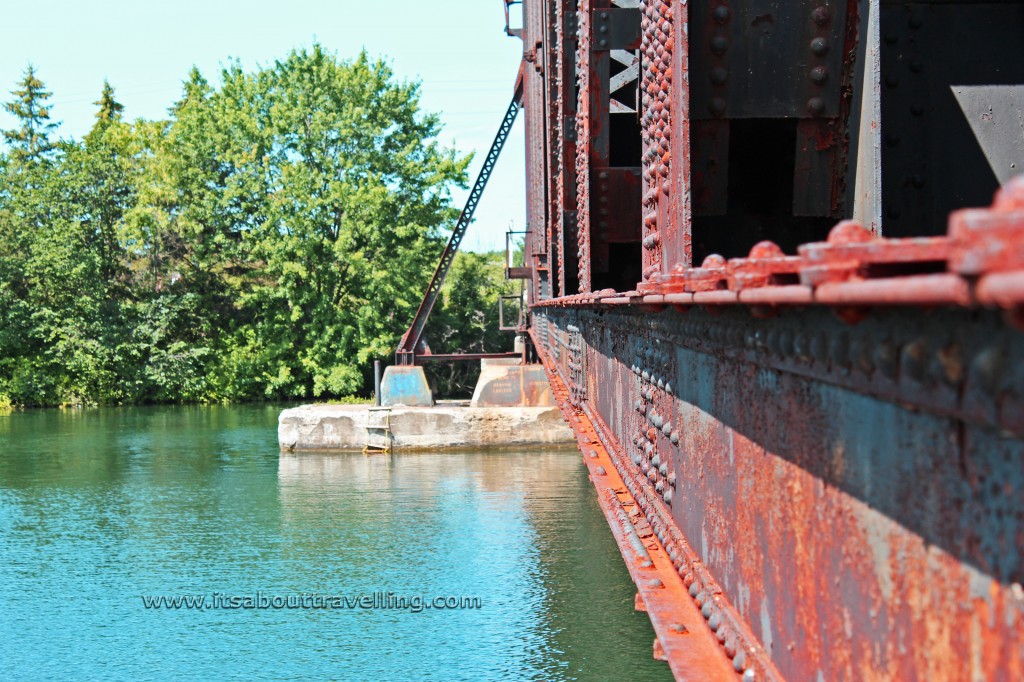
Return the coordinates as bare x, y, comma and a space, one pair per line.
100, 507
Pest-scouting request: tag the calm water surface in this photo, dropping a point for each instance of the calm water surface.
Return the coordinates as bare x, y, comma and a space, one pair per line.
101, 507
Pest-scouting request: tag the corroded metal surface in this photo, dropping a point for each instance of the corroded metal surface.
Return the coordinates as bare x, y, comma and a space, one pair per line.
841, 491
819, 427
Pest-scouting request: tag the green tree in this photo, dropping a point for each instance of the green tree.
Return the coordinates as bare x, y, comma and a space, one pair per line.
109, 109
269, 240
32, 139
316, 191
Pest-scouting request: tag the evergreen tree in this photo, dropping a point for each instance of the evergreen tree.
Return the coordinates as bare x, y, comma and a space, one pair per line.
32, 140
110, 110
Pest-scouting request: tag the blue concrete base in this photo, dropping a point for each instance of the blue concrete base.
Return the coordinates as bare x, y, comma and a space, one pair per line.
404, 385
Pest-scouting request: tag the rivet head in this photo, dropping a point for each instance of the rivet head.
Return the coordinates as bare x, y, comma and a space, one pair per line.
706, 610
819, 74
739, 662
820, 15
717, 106
694, 588
816, 106
719, 75
721, 14
819, 46
719, 45
715, 621
678, 628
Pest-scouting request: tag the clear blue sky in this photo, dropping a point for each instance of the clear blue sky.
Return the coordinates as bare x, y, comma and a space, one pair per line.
457, 48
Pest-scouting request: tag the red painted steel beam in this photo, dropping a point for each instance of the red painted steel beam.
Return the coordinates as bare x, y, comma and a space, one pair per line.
450, 357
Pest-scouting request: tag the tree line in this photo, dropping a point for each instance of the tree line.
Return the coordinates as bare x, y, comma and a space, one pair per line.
268, 240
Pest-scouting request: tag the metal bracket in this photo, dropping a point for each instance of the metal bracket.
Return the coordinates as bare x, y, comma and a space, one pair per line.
571, 23
616, 29
569, 126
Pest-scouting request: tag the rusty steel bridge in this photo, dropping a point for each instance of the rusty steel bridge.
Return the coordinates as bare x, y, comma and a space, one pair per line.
782, 311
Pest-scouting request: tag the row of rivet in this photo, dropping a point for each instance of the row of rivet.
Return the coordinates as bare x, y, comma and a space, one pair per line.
656, 28
652, 363
742, 653
653, 388
821, 16
583, 74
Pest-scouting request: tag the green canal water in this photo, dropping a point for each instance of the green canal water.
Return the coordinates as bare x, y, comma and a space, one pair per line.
100, 508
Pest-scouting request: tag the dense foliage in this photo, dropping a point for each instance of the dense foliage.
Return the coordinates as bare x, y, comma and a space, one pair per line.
269, 240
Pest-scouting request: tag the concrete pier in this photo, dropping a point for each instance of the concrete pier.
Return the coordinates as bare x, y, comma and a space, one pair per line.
444, 426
